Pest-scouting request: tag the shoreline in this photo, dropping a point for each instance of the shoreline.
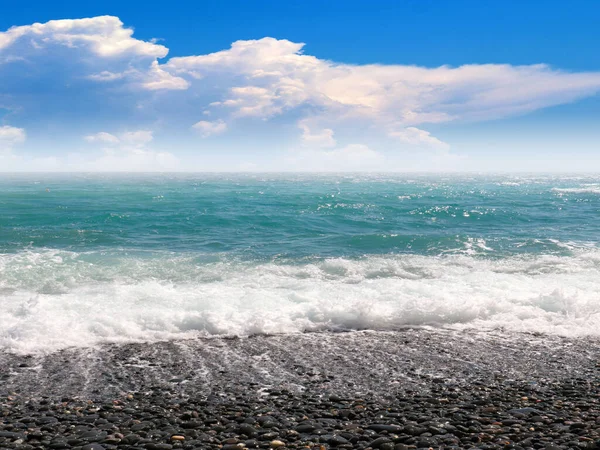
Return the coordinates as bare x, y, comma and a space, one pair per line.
415, 388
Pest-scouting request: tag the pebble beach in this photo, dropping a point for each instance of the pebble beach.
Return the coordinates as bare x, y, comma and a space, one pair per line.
279, 225
207, 311
407, 389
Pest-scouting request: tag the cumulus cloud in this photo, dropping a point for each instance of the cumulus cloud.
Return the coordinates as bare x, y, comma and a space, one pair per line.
270, 77
106, 76
97, 67
100, 49
126, 151
137, 138
354, 152
103, 36
416, 136
140, 160
102, 137
10, 136
321, 138
207, 128
159, 79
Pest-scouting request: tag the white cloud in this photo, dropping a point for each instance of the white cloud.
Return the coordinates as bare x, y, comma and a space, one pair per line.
126, 151
99, 49
133, 139
106, 76
354, 152
102, 137
10, 136
256, 57
322, 138
251, 101
139, 160
96, 63
416, 136
206, 128
269, 77
159, 79
104, 36
137, 138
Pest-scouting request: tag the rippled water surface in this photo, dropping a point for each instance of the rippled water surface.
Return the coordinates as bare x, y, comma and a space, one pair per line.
86, 259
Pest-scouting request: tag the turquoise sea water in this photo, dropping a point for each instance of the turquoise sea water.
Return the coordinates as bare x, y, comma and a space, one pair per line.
93, 258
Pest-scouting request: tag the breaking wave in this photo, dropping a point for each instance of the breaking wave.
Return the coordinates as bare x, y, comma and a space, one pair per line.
53, 299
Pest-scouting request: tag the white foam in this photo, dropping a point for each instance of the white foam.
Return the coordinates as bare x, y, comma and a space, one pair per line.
586, 189
52, 300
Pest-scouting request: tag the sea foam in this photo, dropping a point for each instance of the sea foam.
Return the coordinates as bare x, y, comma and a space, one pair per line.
56, 299
585, 189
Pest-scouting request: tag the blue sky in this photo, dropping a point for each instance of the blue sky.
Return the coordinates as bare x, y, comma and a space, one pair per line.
414, 85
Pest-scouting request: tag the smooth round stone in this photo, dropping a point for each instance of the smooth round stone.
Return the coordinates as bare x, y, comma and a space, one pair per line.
377, 442
93, 446
384, 427
337, 440
248, 430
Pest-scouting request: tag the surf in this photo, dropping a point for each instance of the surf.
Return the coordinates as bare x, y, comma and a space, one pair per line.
54, 299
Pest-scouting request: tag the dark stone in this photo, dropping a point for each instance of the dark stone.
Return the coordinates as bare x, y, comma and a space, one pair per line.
93, 446
426, 442
247, 429
305, 428
336, 440
93, 436
46, 420
131, 439
377, 442
192, 424
142, 426
59, 445
416, 431
524, 411
401, 447
11, 435
389, 428
268, 436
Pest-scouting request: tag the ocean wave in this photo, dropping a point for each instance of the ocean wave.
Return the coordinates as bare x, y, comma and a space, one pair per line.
55, 299
589, 189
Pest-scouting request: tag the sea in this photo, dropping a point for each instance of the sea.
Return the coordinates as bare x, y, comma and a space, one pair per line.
89, 259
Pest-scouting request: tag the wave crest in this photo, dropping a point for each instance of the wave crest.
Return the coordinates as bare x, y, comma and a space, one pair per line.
56, 299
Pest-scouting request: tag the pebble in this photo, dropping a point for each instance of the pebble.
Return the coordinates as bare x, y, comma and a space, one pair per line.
480, 409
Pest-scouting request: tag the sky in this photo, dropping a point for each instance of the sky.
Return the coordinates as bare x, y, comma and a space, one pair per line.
403, 86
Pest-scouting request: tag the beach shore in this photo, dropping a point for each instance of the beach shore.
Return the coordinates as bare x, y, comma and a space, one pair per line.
413, 388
